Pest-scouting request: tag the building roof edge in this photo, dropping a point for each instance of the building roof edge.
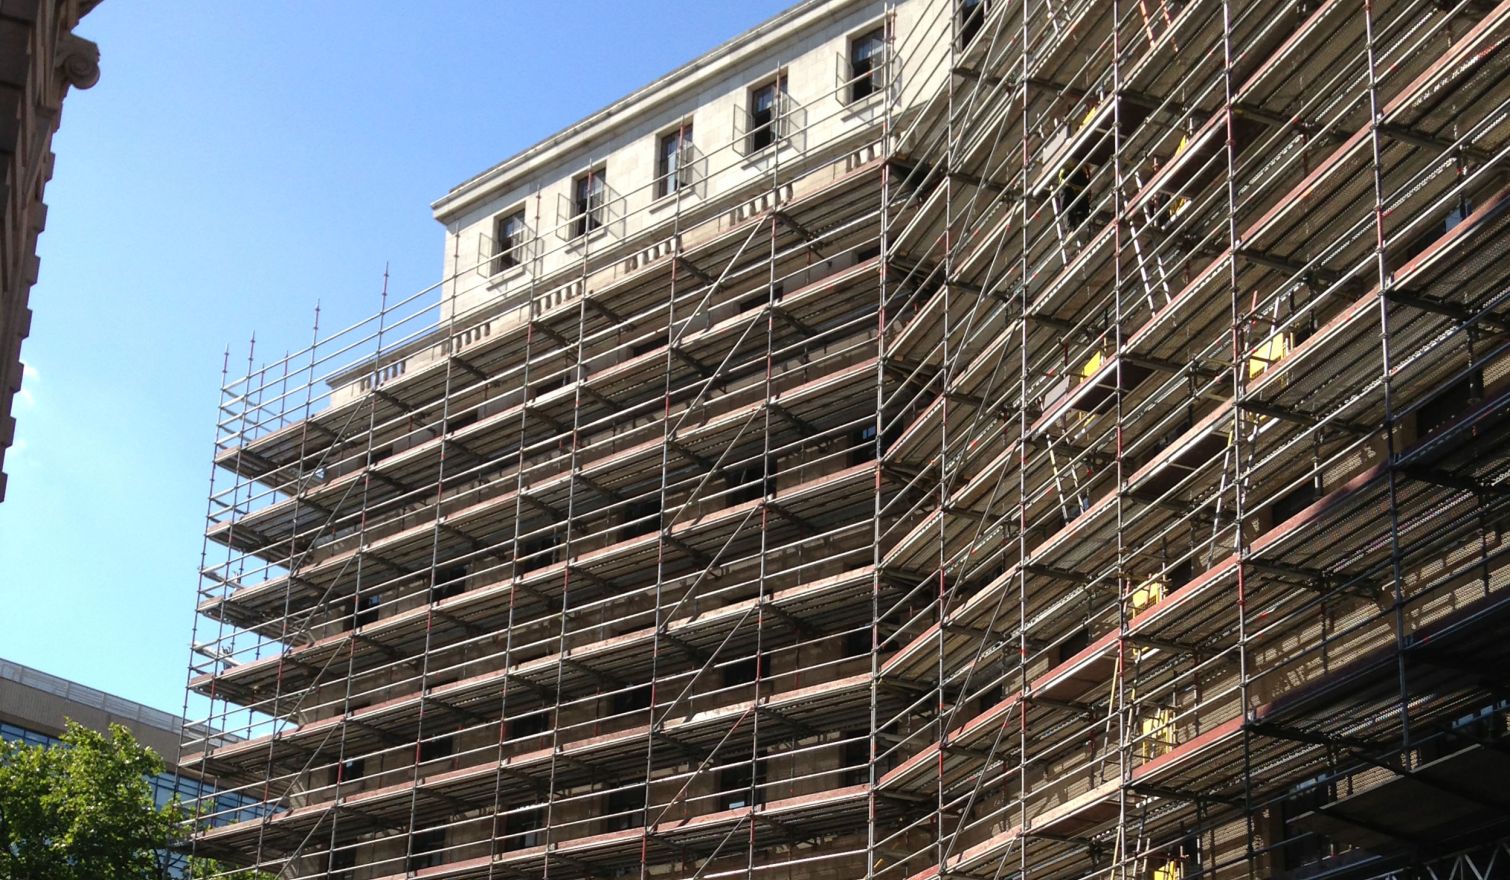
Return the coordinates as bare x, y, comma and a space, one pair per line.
663, 89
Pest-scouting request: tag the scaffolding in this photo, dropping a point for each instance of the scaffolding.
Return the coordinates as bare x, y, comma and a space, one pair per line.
1089, 462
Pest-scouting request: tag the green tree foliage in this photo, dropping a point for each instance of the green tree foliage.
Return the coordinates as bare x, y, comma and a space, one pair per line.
81, 812
85, 811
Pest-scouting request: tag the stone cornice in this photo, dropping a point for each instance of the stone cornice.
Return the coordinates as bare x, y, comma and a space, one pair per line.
647, 100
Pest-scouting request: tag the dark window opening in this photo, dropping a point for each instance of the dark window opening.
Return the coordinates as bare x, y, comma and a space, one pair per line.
972, 16
536, 553
742, 785
862, 445
589, 202
449, 581
1077, 641
773, 294
671, 161
1483, 726
524, 726
436, 749
744, 671
993, 695
641, 518
624, 809
857, 642
1453, 402
644, 348
919, 179
1180, 574
892, 434
1303, 331
425, 849
521, 830
461, 420
1429, 236
866, 63
1293, 502
747, 484
349, 770
1301, 848
340, 864
919, 299
367, 610
765, 113
867, 253
508, 241
855, 759
542, 388
1050, 521
631, 700
379, 453
1072, 198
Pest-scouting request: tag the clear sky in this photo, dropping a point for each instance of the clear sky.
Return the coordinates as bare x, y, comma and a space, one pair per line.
236, 162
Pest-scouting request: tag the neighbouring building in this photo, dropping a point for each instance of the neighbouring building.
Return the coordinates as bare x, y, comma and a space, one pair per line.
40, 58
35, 708
932, 438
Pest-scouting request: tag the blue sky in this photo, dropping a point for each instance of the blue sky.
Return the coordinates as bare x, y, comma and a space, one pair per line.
237, 162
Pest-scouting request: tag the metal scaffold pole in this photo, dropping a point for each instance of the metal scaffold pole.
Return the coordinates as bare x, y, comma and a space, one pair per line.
1070, 441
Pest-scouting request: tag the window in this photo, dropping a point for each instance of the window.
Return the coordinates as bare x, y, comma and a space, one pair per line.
1078, 641
745, 670
641, 518
521, 830
589, 202
765, 114
1180, 574
22, 735
367, 610
1072, 200
990, 697
526, 726
1299, 848
624, 808
866, 60
462, 420
671, 171
742, 785
546, 386
857, 642
972, 15
1294, 501
772, 294
919, 178
862, 445
349, 770
749, 485
341, 863
449, 581
535, 553
425, 848
508, 241
854, 758
1450, 404
632, 699
435, 749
